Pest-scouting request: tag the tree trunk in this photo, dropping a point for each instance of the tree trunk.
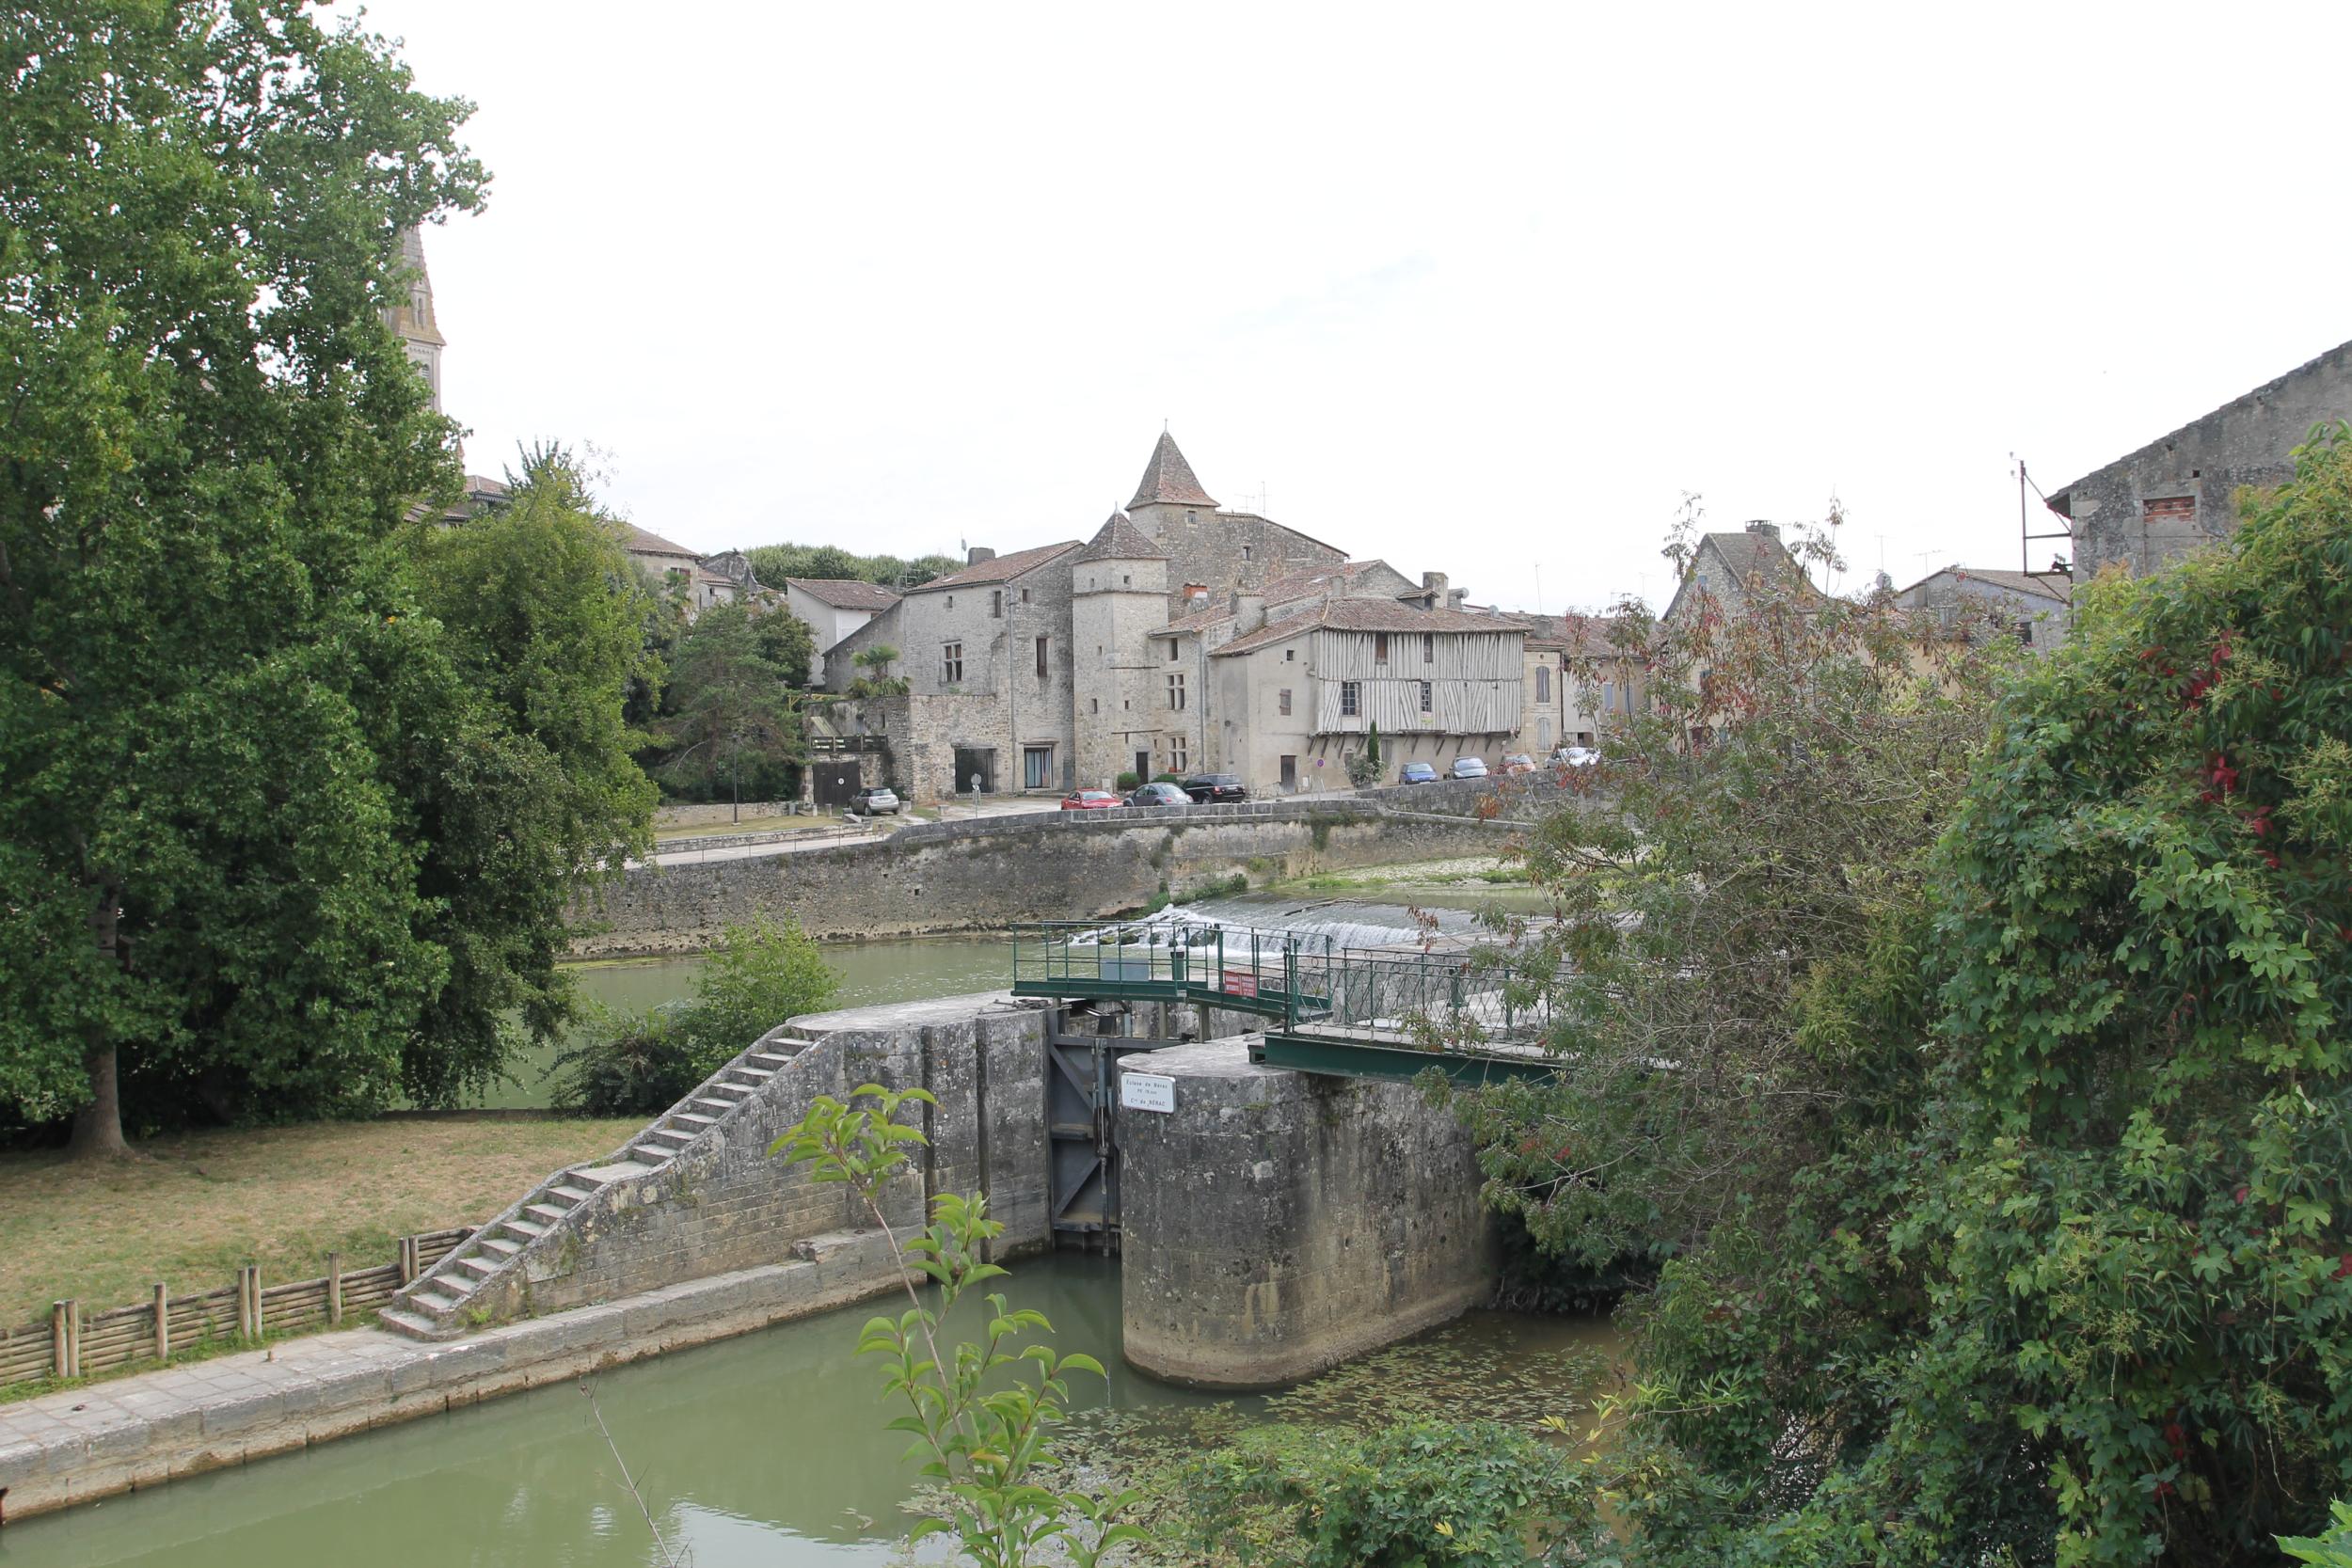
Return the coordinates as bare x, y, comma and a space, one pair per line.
98, 1126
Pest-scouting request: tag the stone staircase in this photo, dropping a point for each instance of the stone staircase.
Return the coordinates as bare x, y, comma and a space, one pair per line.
481, 1280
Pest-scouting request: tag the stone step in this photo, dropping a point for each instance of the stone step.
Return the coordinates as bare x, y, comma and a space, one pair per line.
735, 1088
525, 1227
619, 1170
500, 1245
481, 1265
410, 1323
573, 1194
433, 1303
762, 1073
715, 1103
696, 1118
653, 1152
678, 1135
779, 1057
548, 1212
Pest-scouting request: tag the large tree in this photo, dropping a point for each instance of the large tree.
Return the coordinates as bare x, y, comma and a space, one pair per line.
733, 710
207, 628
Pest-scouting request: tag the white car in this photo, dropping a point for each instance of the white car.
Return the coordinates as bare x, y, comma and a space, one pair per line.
1576, 757
1468, 767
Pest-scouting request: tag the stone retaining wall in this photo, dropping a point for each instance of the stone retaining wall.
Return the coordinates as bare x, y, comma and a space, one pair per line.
995, 872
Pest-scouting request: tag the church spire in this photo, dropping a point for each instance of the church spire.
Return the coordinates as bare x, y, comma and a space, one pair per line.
411, 317
1168, 479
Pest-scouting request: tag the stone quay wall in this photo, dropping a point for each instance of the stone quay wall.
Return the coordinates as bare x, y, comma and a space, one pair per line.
1278, 1223
996, 872
725, 1204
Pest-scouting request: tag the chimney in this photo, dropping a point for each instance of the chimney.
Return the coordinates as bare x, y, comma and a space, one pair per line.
1434, 584
976, 554
1248, 612
1196, 595
1771, 530
1453, 597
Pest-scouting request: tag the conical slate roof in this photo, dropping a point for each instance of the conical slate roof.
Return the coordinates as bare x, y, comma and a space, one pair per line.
1120, 540
1169, 478
411, 317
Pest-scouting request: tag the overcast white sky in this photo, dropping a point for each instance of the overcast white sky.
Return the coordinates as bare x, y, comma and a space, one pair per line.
1474, 289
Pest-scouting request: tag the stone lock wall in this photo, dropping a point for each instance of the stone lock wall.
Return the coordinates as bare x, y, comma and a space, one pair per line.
1278, 1223
990, 874
731, 1206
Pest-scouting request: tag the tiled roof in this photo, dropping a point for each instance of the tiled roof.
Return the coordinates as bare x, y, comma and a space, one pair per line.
999, 568
845, 592
1200, 620
1169, 478
2047, 585
1120, 540
642, 543
1297, 585
1370, 615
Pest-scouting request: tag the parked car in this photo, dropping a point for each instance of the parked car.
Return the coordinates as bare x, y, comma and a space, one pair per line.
1518, 762
1576, 757
1160, 794
1089, 799
877, 801
1468, 767
1417, 772
1208, 789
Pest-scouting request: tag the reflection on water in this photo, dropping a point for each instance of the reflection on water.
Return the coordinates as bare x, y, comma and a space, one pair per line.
767, 1449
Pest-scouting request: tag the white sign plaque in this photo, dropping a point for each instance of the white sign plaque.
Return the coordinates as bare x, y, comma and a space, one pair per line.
1147, 1091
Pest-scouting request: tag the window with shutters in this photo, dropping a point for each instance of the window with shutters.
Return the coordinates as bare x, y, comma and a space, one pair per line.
1175, 693
1042, 644
1543, 683
951, 664
1283, 701
1351, 699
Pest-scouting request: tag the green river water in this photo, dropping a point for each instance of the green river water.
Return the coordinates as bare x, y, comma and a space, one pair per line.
767, 1449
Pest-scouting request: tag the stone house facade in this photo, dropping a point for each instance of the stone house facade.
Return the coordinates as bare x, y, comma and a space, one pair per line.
2035, 607
1075, 663
2177, 493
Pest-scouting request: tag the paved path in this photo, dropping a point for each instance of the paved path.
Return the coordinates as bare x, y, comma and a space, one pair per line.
682, 851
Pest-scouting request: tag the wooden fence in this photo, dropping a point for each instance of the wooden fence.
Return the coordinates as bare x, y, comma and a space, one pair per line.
70, 1344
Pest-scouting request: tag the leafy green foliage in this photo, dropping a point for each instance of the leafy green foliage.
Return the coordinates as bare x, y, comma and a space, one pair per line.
218, 696
2330, 1550
762, 975
2086, 1296
734, 719
1418, 1494
874, 678
772, 563
982, 1411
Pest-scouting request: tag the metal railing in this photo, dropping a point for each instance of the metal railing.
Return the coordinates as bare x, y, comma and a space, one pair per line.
1276, 972
1434, 999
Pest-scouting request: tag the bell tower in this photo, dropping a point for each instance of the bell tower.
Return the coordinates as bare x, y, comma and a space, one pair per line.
411, 317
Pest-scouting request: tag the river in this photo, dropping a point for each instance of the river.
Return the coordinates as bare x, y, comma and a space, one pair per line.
767, 1451
915, 969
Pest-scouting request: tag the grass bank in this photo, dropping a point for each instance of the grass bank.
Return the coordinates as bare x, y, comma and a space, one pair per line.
193, 1205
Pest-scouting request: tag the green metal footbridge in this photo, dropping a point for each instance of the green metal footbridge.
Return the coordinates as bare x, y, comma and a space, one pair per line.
1348, 1012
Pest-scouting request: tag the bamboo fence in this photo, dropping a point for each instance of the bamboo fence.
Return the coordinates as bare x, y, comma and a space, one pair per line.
70, 1343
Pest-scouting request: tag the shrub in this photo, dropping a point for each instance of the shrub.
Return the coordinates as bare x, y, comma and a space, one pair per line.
643, 1064
1129, 781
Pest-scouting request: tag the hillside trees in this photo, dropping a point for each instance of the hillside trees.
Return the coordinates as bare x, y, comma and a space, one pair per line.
772, 563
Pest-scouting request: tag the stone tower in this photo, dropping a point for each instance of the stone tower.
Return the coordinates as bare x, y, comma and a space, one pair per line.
1118, 599
412, 317
1169, 502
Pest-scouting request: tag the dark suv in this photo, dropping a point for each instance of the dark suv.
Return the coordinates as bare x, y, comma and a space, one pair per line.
1215, 789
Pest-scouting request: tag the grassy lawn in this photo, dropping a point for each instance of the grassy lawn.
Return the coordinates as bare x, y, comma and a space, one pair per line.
196, 1205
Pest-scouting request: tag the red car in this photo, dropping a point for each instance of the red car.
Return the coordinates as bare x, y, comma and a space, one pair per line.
1089, 800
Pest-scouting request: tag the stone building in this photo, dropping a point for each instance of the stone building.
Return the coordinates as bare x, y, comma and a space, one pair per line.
2177, 492
2034, 606
832, 608
1074, 664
